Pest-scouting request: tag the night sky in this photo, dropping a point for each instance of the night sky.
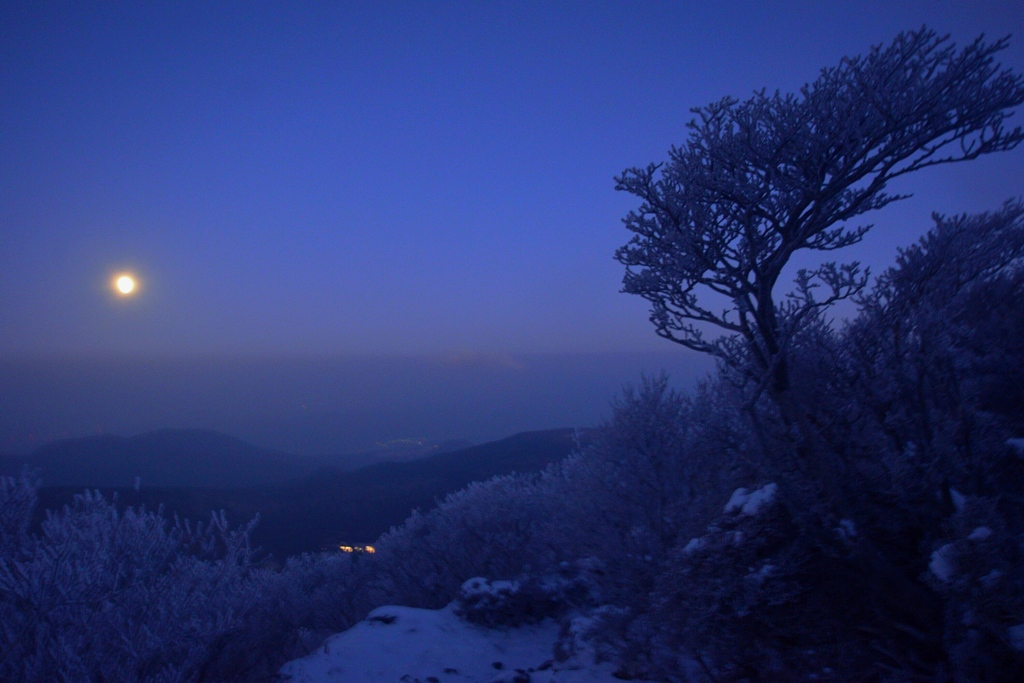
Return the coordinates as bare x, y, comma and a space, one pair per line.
386, 180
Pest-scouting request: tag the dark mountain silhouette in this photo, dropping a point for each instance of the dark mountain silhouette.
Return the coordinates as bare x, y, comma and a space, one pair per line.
166, 458
328, 507
400, 450
195, 458
356, 507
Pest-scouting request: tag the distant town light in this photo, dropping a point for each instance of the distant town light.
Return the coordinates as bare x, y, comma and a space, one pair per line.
357, 549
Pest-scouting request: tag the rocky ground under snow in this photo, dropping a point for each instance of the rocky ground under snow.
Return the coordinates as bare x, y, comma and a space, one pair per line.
408, 645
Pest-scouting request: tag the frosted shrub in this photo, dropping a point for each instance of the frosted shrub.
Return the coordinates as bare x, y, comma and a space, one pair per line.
323, 592
648, 475
979, 570
754, 598
528, 599
641, 468
491, 529
290, 612
936, 357
100, 594
17, 499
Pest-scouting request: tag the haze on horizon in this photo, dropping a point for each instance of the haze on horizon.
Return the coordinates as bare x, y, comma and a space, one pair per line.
320, 405
400, 214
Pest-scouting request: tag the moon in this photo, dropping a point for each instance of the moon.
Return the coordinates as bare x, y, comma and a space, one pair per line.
125, 284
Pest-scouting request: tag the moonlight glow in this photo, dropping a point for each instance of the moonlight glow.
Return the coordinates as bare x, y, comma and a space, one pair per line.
124, 284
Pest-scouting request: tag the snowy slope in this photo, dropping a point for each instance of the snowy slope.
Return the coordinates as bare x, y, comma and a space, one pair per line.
406, 645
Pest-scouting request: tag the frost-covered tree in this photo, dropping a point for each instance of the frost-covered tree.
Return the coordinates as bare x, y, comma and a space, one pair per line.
650, 473
492, 529
759, 180
935, 362
950, 307
628, 490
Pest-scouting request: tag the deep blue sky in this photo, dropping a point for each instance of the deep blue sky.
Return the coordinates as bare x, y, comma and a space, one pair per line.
383, 178
346, 179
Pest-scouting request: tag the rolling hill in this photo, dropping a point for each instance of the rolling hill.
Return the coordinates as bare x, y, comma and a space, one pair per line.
166, 458
328, 506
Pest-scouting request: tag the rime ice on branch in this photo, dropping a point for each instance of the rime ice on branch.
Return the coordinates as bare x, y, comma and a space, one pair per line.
762, 179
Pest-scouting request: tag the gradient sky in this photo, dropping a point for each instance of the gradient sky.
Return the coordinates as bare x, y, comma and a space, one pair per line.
385, 177
354, 222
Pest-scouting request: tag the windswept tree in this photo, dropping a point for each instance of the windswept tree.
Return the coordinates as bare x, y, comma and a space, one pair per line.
759, 180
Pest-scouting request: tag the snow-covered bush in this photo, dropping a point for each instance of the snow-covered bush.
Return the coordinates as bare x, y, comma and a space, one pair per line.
321, 592
759, 596
644, 478
595, 634
935, 363
529, 598
978, 568
291, 611
736, 598
492, 529
926, 391
17, 500
639, 458
102, 594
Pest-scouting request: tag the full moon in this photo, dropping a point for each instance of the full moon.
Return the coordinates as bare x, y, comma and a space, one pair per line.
125, 284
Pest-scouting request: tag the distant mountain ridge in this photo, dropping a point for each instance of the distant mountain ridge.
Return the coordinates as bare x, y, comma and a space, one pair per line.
327, 506
396, 451
199, 458
363, 504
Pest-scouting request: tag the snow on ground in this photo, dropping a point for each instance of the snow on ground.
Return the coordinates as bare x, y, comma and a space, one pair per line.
409, 645
941, 563
751, 502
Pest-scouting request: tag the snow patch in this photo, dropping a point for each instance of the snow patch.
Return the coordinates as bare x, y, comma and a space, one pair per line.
958, 499
846, 528
693, 546
407, 644
751, 502
991, 578
980, 534
1017, 445
479, 587
759, 576
941, 564
737, 499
